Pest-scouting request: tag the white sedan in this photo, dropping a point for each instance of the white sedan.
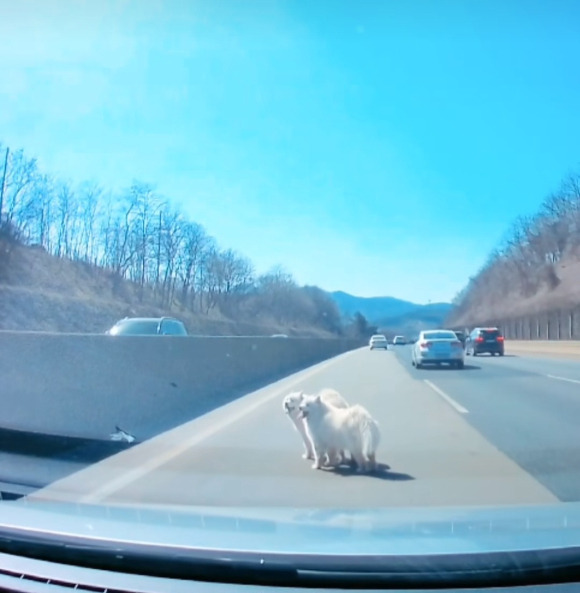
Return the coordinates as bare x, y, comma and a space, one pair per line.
438, 346
378, 341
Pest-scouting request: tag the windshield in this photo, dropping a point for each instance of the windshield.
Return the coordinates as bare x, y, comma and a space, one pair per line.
235, 238
172, 328
440, 336
490, 333
136, 327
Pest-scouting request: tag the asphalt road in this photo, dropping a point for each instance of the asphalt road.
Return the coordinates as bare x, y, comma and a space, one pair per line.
529, 408
501, 431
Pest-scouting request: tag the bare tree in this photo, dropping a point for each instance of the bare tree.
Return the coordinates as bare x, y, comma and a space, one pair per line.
122, 251
196, 250
232, 277
145, 206
65, 203
326, 312
170, 238
21, 173
39, 221
90, 204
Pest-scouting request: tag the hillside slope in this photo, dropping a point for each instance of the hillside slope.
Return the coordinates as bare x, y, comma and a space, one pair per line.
535, 269
40, 292
514, 304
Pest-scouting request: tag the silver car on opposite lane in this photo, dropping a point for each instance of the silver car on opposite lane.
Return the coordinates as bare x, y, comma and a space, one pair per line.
438, 346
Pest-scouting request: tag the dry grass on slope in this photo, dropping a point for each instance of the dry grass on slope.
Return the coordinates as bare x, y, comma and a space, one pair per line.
40, 292
565, 296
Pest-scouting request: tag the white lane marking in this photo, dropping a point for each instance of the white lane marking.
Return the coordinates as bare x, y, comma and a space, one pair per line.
563, 379
159, 460
458, 407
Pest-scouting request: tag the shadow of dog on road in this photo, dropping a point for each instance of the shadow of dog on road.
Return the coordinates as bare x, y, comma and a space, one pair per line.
382, 472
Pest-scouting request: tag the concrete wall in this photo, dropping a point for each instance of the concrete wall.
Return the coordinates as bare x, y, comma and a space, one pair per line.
82, 385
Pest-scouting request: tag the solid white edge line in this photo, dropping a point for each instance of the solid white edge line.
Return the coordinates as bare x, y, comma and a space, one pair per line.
563, 379
457, 407
153, 463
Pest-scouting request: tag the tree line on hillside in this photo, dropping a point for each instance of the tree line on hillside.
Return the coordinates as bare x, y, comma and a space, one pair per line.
139, 236
526, 259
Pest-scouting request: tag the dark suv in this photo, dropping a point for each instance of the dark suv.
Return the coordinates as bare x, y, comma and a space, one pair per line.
484, 339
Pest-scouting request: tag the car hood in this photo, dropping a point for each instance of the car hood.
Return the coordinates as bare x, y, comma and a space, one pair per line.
322, 531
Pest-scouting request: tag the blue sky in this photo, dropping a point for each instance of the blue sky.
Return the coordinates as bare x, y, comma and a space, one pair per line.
378, 147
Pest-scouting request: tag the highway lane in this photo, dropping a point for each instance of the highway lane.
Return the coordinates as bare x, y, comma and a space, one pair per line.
246, 453
529, 408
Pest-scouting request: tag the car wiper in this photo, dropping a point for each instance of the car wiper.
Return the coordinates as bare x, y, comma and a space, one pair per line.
494, 569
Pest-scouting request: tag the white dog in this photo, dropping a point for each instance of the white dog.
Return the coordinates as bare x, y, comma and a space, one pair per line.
334, 429
291, 406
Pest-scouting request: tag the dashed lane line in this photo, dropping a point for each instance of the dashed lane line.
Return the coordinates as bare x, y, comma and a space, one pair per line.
456, 406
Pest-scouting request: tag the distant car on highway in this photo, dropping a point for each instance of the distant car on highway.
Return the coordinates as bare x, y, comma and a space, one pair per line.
438, 346
148, 326
378, 341
485, 340
399, 341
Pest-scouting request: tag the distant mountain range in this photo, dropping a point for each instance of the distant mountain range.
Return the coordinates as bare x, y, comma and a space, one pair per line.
392, 313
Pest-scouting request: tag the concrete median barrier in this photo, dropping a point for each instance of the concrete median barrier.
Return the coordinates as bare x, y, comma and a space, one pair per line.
85, 385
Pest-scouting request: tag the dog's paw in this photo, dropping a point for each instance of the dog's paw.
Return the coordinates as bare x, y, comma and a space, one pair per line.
307, 456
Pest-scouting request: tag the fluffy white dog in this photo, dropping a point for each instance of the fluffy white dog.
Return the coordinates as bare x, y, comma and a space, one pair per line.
291, 406
334, 429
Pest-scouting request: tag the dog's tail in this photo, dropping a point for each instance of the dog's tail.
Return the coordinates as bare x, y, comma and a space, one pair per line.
370, 433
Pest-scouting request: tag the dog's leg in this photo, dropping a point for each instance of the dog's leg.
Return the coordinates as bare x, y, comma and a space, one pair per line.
334, 457
308, 449
318, 457
360, 461
372, 462
308, 446
344, 458
317, 462
338, 457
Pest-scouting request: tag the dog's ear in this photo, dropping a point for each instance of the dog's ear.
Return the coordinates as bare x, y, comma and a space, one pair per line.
318, 399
